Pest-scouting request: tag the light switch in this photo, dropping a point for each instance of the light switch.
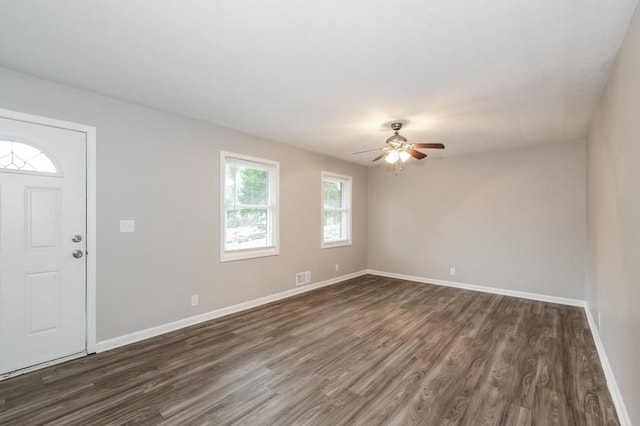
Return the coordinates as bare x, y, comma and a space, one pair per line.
127, 225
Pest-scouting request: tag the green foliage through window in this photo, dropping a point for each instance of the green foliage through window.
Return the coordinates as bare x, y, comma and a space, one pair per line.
336, 205
249, 204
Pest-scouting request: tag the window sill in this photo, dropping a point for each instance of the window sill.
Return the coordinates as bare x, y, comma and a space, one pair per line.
231, 256
336, 244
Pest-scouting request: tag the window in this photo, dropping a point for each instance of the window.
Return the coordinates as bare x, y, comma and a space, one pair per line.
249, 201
336, 210
22, 158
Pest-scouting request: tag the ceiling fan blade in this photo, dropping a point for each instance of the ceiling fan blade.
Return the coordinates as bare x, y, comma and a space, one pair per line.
380, 156
428, 145
416, 154
368, 150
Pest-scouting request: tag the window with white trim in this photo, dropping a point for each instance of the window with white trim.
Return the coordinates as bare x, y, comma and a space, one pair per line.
336, 210
249, 201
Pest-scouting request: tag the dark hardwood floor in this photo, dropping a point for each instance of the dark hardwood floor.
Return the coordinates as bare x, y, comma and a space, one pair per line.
370, 351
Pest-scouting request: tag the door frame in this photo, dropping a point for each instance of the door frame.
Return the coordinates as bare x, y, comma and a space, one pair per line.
91, 257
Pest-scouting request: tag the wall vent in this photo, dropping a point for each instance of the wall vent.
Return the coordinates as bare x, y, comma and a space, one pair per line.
303, 278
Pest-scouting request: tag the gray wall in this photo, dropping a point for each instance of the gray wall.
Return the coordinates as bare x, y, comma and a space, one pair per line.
163, 171
613, 283
511, 219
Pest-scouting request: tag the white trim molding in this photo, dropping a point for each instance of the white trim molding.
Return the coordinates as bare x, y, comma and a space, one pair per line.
91, 245
136, 336
612, 384
272, 206
483, 289
325, 175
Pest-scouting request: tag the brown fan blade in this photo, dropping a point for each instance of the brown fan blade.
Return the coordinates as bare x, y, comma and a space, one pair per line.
368, 150
428, 145
416, 154
380, 156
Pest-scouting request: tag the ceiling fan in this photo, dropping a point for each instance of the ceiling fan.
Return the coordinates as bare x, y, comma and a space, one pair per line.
398, 150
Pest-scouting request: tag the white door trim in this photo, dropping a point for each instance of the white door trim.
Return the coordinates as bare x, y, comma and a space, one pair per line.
91, 257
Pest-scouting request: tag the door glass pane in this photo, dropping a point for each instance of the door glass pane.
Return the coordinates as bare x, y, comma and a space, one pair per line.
22, 157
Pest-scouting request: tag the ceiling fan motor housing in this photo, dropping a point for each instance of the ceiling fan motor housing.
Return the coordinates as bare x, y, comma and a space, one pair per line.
396, 140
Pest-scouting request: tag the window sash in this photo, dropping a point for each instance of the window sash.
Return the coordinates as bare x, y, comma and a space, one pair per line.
270, 240
237, 242
342, 183
344, 225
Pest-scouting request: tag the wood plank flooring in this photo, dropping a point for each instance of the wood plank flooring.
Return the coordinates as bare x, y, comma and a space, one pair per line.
370, 351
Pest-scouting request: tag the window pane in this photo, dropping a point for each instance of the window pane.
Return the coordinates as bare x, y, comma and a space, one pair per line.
253, 186
333, 194
246, 185
336, 220
230, 183
249, 210
20, 156
335, 226
247, 228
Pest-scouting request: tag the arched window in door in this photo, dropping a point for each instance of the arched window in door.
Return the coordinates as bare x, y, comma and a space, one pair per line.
24, 158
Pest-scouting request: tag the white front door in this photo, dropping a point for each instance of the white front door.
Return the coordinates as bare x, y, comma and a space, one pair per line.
42, 227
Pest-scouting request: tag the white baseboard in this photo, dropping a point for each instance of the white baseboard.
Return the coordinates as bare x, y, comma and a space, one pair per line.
612, 384
484, 289
136, 336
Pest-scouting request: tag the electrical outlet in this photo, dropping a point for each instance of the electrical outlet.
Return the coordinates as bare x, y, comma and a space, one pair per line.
194, 300
337, 266
452, 271
127, 225
303, 278
599, 319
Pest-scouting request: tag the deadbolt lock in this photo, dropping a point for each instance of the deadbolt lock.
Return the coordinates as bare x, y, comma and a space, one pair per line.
76, 238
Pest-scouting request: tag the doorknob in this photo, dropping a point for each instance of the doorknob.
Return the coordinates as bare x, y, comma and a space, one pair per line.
76, 238
77, 254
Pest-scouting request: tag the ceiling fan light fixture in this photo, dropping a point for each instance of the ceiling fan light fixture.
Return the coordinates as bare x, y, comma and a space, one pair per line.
399, 150
392, 156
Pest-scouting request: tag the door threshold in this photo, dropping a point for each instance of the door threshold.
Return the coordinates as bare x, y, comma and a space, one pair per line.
42, 365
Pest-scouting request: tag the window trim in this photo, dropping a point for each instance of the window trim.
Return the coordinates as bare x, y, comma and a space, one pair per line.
341, 243
274, 250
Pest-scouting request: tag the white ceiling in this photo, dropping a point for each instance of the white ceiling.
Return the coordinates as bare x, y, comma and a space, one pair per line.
330, 75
